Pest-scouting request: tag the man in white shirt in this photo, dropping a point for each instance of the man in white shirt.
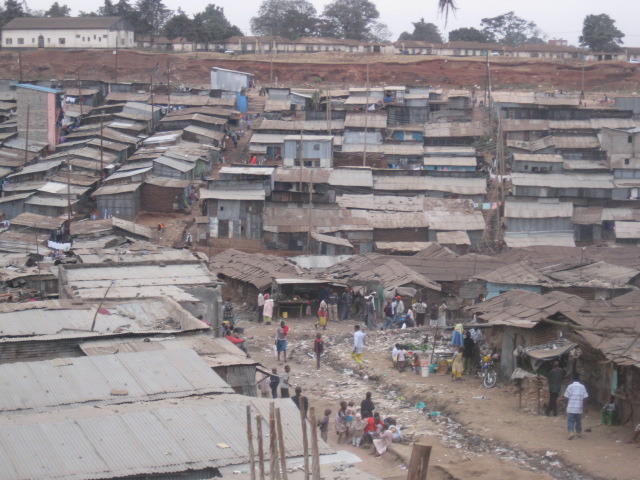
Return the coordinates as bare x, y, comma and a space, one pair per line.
260, 306
575, 394
358, 344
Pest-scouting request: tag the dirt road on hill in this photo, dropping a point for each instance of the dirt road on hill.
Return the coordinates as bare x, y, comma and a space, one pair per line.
321, 69
483, 438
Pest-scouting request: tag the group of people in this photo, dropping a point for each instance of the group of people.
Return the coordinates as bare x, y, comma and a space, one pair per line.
467, 356
361, 426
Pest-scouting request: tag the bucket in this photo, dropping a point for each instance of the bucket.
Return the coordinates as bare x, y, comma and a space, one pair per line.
425, 371
285, 314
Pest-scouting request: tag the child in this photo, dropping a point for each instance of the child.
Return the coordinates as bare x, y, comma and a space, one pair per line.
274, 382
341, 427
608, 413
394, 354
323, 425
348, 420
318, 348
416, 364
322, 318
357, 430
402, 359
457, 367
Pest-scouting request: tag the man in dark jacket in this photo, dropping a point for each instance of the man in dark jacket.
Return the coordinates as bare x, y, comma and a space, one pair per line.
367, 407
555, 379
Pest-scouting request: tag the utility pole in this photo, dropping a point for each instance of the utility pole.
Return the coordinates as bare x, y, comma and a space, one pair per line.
101, 139
168, 86
26, 139
366, 121
69, 189
79, 92
20, 64
310, 208
329, 113
115, 52
152, 103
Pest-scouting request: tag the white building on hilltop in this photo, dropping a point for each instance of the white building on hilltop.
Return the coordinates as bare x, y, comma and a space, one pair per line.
67, 32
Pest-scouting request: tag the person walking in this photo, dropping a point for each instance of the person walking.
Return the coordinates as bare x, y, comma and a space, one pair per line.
281, 340
575, 394
284, 382
358, 344
370, 312
318, 348
467, 353
346, 304
399, 311
274, 381
260, 306
332, 302
555, 379
267, 309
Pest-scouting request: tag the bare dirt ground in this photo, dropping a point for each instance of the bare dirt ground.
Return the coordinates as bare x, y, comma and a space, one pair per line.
317, 69
484, 438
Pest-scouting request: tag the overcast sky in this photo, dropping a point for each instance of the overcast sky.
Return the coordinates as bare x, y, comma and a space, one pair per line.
557, 18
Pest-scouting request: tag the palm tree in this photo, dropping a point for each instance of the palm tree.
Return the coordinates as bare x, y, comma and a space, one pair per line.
446, 6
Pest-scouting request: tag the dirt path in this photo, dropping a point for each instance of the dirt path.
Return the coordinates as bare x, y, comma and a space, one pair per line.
473, 437
320, 69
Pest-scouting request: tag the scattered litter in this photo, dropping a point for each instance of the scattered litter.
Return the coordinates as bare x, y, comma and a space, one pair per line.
222, 445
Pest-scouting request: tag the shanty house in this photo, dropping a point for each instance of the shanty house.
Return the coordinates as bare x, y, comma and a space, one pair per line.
122, 201
55, 328
308, 151
43, 106
190, 283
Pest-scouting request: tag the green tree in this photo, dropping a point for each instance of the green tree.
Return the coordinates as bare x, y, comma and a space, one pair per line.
212, 25
108, 9
287, 18
180, 26
57, 10
12, 9
509, 29
153, 14
424, 32
600, 34
467, 35
351, 19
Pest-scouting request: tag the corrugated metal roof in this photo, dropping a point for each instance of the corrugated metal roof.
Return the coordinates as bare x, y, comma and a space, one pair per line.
450, 161
343, 242
627, 230
116, 189
250, 195
624, 214
538, 209
402, 246
451, 221
127, 173
43, 23
558, 180
205, 132
58, 319
537, 157
453, 238
215, 352
351, 177
576, 142
39, 386
37, 167
174, 164
163, 437
388, 220
372, 120
305, 175
530, 239
37, 221
455, 129
266, 171
381, 202
597, 274
464, 186
269, 138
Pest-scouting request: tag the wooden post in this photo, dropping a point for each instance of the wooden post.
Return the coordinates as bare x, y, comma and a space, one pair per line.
260, 446
419, 461
538, 392
252, 460
305, 441
283, 453
273, 445
315, 458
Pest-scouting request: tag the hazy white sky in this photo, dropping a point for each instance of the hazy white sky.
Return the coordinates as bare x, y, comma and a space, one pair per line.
557, 18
